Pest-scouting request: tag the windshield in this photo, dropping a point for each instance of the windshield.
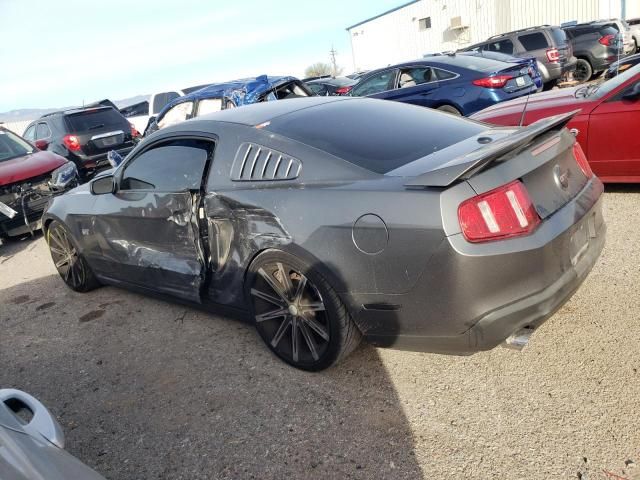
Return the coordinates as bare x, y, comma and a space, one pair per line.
12, 146
598, 91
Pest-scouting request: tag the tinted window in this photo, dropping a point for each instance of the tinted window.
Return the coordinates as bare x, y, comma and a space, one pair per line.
30, 133
171, 167
12, 146
317, 88
443, 74
377, 135
503, 46
533, 41
376, 84
96, 119
162, 99
42, 131
141, 108
411, 77
558, 36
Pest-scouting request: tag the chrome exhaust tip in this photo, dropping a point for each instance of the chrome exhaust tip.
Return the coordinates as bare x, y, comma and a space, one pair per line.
519, 339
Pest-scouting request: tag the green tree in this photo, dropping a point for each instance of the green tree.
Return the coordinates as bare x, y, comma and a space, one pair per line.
319, 69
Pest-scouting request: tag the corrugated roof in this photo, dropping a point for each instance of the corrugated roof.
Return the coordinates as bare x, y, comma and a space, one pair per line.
383, 14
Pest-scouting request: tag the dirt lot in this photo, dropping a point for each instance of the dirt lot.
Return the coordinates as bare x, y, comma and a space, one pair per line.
146, 389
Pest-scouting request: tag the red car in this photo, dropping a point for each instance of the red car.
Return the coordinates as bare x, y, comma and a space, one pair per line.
608, 125
28, 178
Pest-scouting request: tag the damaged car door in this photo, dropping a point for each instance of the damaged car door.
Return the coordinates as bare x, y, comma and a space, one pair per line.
148, 227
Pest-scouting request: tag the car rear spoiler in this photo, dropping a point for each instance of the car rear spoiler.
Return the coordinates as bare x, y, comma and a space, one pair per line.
467, 165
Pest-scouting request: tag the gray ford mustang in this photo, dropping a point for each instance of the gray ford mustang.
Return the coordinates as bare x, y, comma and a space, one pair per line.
325, 220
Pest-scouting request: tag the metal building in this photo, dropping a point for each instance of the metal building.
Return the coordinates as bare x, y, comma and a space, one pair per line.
427, 26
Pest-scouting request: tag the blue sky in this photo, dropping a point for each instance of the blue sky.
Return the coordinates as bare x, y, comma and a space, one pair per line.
56, 53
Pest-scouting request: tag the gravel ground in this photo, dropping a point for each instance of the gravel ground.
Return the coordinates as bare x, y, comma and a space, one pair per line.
146, 389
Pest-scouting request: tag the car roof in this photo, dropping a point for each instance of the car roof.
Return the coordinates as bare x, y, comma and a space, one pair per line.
217, 90
72, 111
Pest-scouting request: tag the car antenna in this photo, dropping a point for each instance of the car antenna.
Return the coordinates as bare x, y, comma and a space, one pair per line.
524, 110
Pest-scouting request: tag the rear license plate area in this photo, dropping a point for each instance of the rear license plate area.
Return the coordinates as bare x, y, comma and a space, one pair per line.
520, 81
581, 238
109, 141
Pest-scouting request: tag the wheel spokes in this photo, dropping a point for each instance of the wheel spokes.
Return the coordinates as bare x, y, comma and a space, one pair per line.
285, 279
280, 312
294, 339
302, 283
281, 331
316, 327
309, 340
273, 284
313, 307
268, 298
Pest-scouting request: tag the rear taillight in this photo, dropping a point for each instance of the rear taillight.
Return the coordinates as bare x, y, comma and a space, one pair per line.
553, 54
496, 81
504, 212
608, 40
582, 161
71, 142
134, 133
343, 90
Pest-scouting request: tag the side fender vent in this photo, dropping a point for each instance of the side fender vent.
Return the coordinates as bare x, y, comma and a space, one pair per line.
256, 163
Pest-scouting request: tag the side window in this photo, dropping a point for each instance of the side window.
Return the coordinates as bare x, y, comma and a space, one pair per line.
410, 77
175, 166
502, 46
444, 74
162, 99
176, 114
42, 131
30, 133
533, 41
376, 84
317, 88
209, 105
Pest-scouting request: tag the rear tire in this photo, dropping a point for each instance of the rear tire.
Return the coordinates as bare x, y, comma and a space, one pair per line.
297, 313
449, 109
583, 71
71, 265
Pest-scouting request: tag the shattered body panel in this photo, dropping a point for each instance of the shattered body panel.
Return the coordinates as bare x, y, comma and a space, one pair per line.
394, 254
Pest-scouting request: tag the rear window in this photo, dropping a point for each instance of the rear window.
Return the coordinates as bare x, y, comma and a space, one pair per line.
533, 41
378, 135
559, 37
477, 63
95, 120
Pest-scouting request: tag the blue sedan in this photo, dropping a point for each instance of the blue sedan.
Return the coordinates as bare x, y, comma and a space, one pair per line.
457, 84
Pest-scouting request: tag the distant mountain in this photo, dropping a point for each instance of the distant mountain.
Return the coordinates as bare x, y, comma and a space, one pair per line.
31, 113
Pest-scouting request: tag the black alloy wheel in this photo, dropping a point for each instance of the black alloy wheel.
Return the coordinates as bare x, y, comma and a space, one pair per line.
583, 71
297, 313
72, 268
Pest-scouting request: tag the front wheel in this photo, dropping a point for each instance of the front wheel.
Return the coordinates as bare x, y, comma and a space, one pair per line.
298, 314
71, 266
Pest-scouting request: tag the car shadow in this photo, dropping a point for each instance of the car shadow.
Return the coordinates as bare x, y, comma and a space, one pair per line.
622, 188
12, 246
151, 389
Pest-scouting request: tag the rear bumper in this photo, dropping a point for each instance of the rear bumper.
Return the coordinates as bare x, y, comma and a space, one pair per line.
90, 162
473, 303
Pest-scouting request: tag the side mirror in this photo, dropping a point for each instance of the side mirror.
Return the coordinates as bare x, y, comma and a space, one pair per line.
634, 94
102, 185
42, 144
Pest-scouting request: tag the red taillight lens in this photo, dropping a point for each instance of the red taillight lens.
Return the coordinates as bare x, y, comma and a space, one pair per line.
497, 81
134, 133
553, 54
71, 142
581, 158
504, 212
608, 40
343, 90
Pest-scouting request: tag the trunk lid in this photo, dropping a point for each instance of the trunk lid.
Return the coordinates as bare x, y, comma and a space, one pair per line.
100, 130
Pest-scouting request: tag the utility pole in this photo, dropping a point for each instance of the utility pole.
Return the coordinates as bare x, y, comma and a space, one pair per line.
332, 55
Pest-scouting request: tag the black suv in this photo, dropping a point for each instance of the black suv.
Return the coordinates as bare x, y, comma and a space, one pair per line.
596, 46
84, 136
548, 44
